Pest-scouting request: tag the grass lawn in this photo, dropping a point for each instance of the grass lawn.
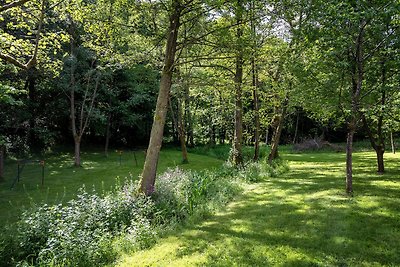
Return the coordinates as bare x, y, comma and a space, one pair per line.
300, 219
62, 180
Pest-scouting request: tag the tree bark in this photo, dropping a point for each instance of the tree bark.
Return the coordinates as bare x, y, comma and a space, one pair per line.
108, 133
380, 150
256, 111
188, 116
392, 143
78, 129
237, 155
77, 154
254, 71
182, 134
175, 127
296, 128
357, 78
2, 156
277, 134
156, 135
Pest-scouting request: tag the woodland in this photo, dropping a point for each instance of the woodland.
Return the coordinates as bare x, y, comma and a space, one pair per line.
231, 80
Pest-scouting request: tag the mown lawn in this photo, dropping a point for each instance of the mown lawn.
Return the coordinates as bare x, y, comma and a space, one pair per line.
98, 172
300, 219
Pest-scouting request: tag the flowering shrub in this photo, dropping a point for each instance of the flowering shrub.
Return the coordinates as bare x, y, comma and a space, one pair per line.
182, 194
79, 233
91, 230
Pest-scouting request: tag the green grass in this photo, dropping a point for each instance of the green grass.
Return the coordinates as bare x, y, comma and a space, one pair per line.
300, 219
62, 180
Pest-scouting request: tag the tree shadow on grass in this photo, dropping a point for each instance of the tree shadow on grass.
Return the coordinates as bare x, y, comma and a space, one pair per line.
304, 219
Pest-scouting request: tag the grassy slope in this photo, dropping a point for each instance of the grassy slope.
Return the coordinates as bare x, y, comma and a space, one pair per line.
62, 181
300, 219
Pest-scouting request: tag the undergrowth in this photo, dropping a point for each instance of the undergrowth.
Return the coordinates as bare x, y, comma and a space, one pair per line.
94, 229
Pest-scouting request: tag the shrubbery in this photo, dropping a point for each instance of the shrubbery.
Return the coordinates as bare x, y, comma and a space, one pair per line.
92, 230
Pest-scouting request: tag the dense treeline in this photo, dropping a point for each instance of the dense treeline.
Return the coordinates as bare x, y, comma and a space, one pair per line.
238, 72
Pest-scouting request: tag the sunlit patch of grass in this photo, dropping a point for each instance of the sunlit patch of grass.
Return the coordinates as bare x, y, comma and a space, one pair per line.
302, 218
62, 180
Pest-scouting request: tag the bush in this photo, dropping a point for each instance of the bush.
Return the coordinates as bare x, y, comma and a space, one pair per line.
80, 233
182, 194
316, 144
92, 230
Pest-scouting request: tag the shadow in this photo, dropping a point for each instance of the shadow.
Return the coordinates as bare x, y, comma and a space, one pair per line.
304, 219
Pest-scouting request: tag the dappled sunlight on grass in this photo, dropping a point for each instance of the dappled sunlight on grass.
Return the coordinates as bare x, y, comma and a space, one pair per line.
302, 218
62, 180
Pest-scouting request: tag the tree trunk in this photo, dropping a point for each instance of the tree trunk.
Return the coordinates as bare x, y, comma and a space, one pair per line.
2, 156
392, 143
237, 155
175, 127
33, 140
108, 133
349, 158
77, 161
188, 116
156, 135
380, 150
182, 135
256, 111
254, 71
297, 128
277, 134
357, 80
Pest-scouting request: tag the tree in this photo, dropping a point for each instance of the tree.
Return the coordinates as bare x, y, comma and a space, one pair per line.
37, 19
153, 150
345, 40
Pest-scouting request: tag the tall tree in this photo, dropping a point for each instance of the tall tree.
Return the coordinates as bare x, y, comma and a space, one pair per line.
156, 136
237, 154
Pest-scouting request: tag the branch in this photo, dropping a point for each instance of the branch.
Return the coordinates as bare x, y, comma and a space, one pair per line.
33, 60
91, 105
12, 4
215, 66
13, 61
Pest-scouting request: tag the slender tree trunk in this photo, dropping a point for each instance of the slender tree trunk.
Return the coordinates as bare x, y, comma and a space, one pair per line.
357, 80
77, 141
182, 135
378, 141
256, 111
297, 128
77, 158
266, 135
380, 150
254, 71
108, 133
31, 82
153, 151
188, 116
238, 135
175, 126
392, 143
277, 134
2, 156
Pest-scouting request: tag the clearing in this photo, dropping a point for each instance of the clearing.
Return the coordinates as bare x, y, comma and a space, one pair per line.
300, 219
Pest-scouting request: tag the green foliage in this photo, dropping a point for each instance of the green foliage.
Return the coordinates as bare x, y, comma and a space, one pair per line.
180, 195
223, 151
80, 232
300, 218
